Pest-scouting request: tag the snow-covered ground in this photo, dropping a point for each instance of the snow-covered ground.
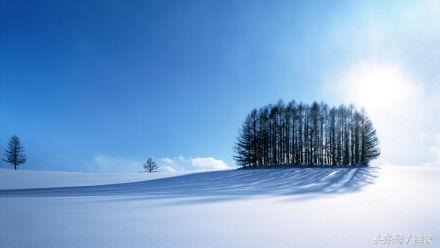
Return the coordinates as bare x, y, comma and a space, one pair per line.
236, 208
20, 179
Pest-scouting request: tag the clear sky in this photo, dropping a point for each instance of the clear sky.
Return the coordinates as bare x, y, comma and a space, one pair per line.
101, 85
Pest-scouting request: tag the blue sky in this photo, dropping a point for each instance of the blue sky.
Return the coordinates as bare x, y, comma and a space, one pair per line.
86, 80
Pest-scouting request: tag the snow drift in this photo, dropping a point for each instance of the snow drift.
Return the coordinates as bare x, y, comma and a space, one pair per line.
332, 207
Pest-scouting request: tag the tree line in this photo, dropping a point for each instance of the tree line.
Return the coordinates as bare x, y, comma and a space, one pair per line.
302, 134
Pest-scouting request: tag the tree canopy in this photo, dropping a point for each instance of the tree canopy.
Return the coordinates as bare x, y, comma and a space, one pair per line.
302, 134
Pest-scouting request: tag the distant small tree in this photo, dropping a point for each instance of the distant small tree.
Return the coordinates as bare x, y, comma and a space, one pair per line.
14, 152
150, 165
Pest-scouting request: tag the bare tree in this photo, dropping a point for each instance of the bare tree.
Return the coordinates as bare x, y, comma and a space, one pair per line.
15, 152
150, 165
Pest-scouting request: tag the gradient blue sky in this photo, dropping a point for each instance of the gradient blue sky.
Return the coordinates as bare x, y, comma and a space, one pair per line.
124, 80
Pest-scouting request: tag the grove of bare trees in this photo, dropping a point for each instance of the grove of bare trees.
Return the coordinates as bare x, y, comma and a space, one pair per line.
301, 134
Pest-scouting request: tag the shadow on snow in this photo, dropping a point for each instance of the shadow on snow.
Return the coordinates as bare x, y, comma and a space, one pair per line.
224, 185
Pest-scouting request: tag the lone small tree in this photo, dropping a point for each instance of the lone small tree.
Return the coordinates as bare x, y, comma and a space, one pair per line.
150, 165
14, 152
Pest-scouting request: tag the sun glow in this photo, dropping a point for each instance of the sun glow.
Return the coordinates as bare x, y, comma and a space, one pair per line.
378, 87
394, 100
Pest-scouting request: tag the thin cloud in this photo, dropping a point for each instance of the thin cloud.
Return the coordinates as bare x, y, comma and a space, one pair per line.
107, 163
209, 163
181, 163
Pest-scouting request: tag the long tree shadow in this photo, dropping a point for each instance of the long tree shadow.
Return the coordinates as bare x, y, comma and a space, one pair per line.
222, 185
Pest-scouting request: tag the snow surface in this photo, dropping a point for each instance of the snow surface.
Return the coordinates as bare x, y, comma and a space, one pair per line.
20, 179
331, 207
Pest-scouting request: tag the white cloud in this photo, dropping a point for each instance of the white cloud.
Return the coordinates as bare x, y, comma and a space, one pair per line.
107, 163
167, 165
167, 168
183, 159
209, 163
167, 161
181, 163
